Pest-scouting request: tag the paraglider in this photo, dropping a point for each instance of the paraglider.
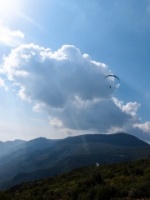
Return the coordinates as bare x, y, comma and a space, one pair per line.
111, 77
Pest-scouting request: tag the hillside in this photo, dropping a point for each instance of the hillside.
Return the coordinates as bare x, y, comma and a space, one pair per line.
130, 180
42, 158
9, 146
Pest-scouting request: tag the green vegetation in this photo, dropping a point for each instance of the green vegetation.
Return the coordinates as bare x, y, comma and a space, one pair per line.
130, 180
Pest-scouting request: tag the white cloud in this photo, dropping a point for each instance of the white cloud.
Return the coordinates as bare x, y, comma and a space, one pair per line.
70, 87
130, 108
2, 83
144, 127
9, 37
56, 123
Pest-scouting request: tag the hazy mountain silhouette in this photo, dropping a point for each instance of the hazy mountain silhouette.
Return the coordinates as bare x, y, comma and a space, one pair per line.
43, 157
9, 146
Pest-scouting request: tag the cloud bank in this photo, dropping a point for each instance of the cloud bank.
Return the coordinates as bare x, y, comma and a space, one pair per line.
10, 38
70, 87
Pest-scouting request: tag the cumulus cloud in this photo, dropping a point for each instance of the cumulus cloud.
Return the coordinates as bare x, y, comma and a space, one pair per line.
144, 127
10, 38
130, 108
70, 87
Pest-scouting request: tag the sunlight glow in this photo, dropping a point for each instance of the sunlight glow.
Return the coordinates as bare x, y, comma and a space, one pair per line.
8, 8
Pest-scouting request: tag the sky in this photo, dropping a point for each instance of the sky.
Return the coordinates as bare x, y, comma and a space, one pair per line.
54, 59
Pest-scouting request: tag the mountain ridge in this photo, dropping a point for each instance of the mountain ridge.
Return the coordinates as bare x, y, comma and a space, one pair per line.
43, 157
115, 138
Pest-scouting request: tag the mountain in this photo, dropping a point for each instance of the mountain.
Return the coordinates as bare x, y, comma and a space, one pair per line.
9, 146
129, 180
42, 157
119, 139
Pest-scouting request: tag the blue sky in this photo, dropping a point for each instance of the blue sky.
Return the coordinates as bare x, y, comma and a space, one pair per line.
54, 56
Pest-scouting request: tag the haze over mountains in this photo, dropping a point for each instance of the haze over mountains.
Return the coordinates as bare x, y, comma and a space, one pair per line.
35, 159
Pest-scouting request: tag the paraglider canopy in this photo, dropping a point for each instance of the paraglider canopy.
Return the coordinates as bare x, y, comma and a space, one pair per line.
112, 75
113, 80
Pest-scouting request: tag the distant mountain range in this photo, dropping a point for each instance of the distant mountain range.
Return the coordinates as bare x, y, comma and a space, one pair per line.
39, 158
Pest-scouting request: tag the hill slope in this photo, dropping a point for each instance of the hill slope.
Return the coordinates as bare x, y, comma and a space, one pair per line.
119, 139
129, 180
41, 158
9, 146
